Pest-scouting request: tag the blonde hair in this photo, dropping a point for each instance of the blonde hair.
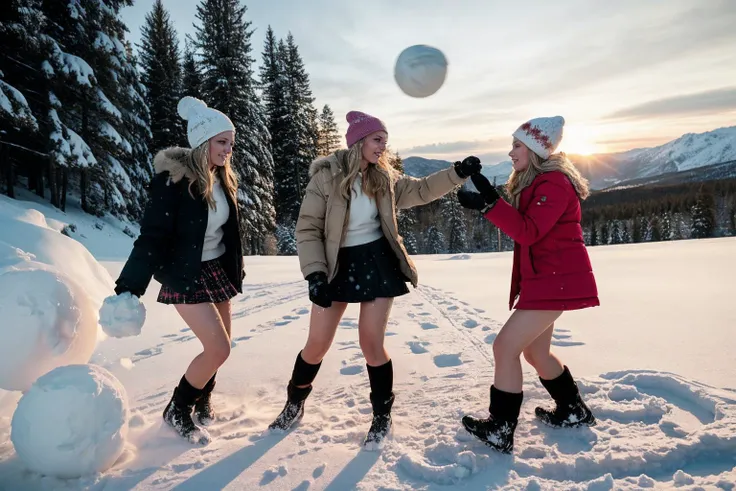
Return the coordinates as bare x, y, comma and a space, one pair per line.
376, 178
519, 180
199, 163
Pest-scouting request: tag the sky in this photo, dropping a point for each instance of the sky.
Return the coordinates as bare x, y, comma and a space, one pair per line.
625, 74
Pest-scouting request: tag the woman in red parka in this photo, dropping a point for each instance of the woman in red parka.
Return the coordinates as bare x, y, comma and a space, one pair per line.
551, 274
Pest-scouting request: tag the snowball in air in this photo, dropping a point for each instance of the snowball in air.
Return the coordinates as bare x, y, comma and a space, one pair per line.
420, 70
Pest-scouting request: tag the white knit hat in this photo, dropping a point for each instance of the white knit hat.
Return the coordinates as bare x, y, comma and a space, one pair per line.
202, 122
541, 135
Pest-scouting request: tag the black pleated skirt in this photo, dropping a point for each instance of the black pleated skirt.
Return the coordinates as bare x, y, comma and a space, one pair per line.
366, 272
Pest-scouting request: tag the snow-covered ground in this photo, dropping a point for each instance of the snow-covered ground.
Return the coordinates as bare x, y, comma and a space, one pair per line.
655, 363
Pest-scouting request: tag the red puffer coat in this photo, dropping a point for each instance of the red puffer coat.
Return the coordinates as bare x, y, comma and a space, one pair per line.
552, 270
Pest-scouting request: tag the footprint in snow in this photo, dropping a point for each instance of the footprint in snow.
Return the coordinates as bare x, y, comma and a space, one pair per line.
428, 325
351, 369
418, 347
449, 360
470, 324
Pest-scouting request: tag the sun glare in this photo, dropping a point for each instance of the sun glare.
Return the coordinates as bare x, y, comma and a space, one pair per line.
579, 140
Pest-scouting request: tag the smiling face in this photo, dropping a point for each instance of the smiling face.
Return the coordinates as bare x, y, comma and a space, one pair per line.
221, 148
519, 155
374, 145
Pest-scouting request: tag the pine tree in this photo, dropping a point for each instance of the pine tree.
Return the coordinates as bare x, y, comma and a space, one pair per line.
20, 59
191, 79
159, 54
407, 221
666, 222
453, 215
732, 219
605, 239
593, 233
703, 216
223, 39
286, 239
329, 138
435, 241
296, 145
396, 161
656, 232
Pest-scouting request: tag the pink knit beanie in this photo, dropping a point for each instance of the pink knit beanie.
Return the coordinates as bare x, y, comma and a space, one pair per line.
361, 125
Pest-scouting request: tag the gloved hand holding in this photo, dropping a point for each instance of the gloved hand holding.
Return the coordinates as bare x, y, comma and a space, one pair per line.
471, 200
122, 315
468, 167
485, 188
318, 293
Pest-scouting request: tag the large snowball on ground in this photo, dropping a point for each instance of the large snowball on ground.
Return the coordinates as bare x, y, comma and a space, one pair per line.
46, 320
122, 315
72, 422
420, 70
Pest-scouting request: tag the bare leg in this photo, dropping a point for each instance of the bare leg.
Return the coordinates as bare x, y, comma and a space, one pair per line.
205, 322
372, 329
538, 354
522, 328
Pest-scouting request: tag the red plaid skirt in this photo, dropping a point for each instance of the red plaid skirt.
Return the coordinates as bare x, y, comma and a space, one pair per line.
213, 286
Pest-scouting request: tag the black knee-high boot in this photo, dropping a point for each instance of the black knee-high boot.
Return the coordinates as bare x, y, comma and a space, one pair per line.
178, 412
570, 410
382, 400
203, 410
497, 431
303, 375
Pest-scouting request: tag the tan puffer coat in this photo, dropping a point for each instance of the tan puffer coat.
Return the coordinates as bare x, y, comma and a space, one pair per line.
324, 213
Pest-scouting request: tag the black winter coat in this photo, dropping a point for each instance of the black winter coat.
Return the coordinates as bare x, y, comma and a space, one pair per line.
169, 247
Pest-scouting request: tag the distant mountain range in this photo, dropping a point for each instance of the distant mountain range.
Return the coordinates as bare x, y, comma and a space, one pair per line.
681, 159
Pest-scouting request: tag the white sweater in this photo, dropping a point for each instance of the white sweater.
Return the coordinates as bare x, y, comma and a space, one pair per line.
213, 246
364, 225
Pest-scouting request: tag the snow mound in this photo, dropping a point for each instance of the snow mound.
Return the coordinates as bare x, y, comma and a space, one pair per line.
47, 321
27, 230
72, 422
122, 315
460, 257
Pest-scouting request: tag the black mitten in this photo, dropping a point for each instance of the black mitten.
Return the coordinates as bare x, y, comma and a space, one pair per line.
318, 289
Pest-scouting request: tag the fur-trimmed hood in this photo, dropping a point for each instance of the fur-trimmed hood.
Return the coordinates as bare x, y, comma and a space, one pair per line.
174, 161
334, 161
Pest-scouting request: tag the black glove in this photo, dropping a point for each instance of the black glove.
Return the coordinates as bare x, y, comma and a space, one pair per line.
471, 199
468, 167
318, 289
485, 188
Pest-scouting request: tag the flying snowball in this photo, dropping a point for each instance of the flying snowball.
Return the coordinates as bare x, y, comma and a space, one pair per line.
420, 70
122, 315
48, 320
72, 422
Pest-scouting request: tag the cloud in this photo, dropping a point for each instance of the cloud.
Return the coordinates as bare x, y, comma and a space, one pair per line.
701, 102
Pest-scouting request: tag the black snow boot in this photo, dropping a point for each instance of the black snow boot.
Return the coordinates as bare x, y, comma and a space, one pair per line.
178, 413
497, 431
293, 409
382, 400
570, 410
303, 375
203, 409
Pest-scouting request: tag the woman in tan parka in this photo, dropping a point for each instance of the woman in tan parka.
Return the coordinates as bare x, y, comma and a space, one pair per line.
350, 251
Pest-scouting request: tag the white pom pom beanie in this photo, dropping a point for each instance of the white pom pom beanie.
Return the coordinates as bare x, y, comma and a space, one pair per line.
541, 135
202, 122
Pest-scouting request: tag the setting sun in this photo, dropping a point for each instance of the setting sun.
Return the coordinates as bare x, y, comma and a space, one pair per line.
580, 140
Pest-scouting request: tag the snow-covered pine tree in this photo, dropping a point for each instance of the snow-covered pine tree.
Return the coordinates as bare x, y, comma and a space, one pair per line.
159, 58
593, 233
329, 137
285, 239
616, 233
666, 224
191, 78
297, 149
453, 215
396, 161
703, 215
20, 76
223, 40
112, 141
407, 222
435, 241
